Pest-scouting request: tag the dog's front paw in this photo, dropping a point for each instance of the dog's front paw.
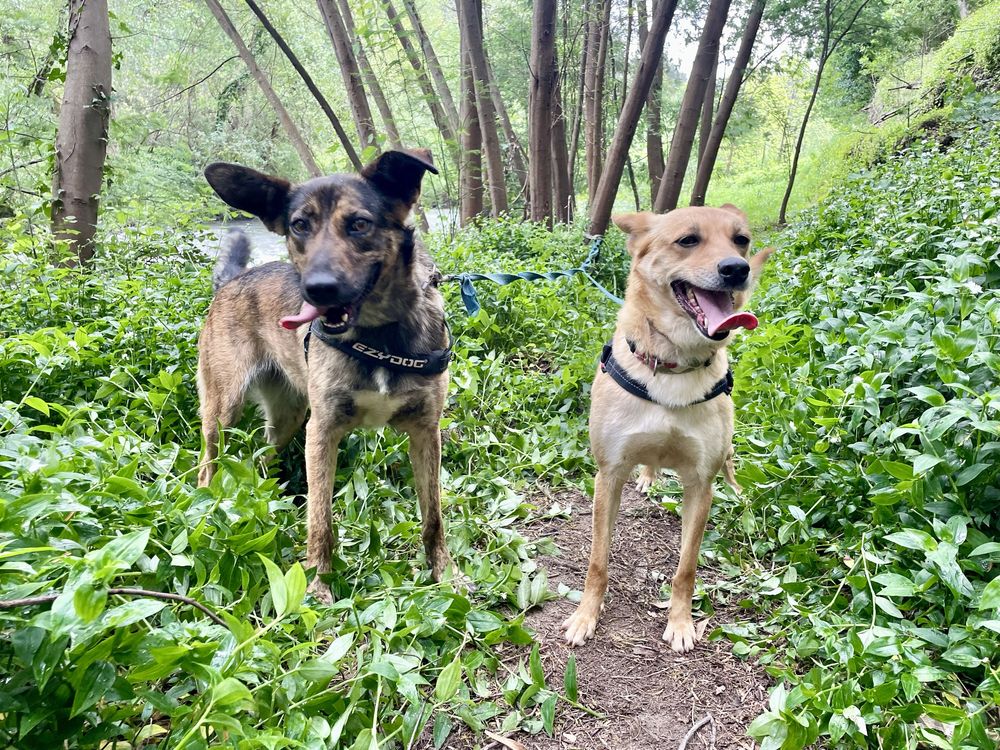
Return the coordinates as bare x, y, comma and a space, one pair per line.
580, 625
680, 634
320, 591
646, 478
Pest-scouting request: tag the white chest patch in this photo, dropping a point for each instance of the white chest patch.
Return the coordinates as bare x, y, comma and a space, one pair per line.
374, 409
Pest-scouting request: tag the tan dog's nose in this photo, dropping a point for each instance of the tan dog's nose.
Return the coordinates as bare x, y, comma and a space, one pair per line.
733, 271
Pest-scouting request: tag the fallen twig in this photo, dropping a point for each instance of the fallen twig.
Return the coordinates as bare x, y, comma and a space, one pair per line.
49, 598
694, 730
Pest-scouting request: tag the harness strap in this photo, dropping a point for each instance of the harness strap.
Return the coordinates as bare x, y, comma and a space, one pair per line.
410, 363
612, 367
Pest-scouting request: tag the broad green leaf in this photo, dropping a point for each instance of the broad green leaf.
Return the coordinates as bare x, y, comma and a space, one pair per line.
913, 539
295, 587
96, 682
548, 712
278, 587
230, 691
448, 681
990, 598
569, 679
535, 663
442, 728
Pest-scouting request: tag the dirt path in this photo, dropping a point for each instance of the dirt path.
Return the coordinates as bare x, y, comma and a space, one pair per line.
649, 696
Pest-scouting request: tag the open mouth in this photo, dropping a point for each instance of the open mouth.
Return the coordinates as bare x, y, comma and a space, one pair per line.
713, 311
336, 318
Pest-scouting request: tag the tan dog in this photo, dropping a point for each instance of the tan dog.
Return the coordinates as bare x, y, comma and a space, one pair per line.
661, 396
363, 288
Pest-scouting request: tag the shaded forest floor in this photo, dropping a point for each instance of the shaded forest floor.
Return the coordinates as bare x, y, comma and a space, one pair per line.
648, 695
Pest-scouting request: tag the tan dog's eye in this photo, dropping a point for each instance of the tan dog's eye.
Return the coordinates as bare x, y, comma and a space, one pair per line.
689, 240
741, 240
359, 226
299, 226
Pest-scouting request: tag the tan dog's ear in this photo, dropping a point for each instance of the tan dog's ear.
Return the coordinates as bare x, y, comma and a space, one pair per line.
758, 260
734, 210
633, 223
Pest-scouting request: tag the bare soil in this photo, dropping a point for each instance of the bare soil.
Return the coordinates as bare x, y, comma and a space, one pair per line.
649, 696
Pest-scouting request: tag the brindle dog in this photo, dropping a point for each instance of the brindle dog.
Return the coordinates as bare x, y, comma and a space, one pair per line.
358, 273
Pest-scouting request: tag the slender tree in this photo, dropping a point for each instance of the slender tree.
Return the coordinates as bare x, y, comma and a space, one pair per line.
706, 164
543, 75
423, 80
654, 138
562, 189
345, 140
652, 51
708, 107
593, 125
687, 120
82, 135
471, 23
294, 136
574, 138
837, 20
371, 80
433, 65
350, 72
515, 151
470, 166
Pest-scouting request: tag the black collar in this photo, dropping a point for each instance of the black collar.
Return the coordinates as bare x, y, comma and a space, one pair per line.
611, 366
410, 363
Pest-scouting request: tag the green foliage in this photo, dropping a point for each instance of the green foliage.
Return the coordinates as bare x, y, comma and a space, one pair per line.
98, 415
869, 434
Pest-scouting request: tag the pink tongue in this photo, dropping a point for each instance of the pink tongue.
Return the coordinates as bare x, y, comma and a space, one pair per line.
306, 314
719, 313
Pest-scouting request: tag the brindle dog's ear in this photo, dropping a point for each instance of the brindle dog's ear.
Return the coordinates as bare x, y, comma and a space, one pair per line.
397, 174
248, 190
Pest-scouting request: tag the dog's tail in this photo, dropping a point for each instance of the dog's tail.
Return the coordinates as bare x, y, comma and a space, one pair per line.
233, 259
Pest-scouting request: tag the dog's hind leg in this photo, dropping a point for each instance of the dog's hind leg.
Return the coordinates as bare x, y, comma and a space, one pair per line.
425, 455
680, 632
220, 408
646, 478
729, 472
284, 411
607, 498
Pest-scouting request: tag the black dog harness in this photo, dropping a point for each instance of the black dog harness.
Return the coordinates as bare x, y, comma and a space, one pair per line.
410, 363
612, 367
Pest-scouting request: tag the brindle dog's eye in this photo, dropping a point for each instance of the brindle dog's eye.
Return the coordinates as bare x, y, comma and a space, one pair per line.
359, 226
741, 240
300, 226
689, 240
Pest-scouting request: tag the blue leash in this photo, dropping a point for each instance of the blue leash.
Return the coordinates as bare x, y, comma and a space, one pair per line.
471, 299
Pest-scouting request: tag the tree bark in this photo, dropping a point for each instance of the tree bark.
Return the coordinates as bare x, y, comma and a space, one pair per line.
470, 21
687, 120
433, 65
543, 72
433, 102
470, 162
82, 135
654, 138
829, 46
562, 190
370, 79
297, 141
574, 138
706, 164
708, 108
598, 35
349, 72
345, 140
652, 52
515, 151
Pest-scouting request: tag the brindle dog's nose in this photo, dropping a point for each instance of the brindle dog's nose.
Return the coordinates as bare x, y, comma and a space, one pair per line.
734, 271
323, 289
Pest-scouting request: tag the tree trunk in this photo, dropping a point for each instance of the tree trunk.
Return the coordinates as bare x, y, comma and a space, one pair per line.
433, 102
370, 79
652, 52
707, 108
471, 25
543, 72
597, 42
654, 139
470, 162
349, 72
298, 142
562, 190
82, 135
706, 164
444, 93
963, 9
310, 84
687, 120
518, 160
574, 138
